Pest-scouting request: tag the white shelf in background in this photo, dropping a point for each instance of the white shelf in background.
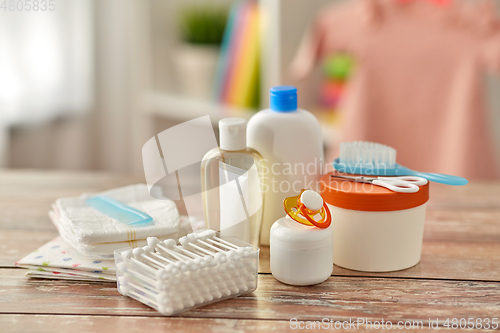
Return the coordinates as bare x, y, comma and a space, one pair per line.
182, 108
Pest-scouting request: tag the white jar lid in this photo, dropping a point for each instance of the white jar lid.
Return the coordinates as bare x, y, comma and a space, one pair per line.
289, 234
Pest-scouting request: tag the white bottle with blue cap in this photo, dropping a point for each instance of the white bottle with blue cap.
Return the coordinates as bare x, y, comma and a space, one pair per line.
289, 140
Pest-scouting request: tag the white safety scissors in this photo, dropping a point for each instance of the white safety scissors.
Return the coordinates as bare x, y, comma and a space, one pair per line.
407, 184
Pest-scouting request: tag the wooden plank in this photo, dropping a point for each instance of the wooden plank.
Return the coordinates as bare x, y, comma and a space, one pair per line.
26, 196
338, 298
462, 242
458, 245
475, 195
120, 324
16, 244
449, 261
44, 187
21, 213
440, 260
471, 225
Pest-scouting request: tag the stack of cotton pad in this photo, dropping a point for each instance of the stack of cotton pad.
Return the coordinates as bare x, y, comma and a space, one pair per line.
204, 269
97, 235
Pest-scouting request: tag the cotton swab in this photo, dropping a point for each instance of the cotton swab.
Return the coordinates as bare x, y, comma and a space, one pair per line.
203, 269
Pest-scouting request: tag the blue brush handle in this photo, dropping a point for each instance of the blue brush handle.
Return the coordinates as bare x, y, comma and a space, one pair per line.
435, 177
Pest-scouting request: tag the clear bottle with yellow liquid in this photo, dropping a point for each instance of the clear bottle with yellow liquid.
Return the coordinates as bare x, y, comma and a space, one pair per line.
232, 184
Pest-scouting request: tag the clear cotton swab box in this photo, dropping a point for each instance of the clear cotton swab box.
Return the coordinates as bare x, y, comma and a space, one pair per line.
205, 268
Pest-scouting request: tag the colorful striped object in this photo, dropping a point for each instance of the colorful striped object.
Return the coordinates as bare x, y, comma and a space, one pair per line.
237, 81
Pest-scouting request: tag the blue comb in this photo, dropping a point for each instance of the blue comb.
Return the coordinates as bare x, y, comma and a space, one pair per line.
119, 211
397, 170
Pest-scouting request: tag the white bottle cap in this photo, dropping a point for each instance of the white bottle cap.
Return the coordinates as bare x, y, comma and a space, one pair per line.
233, 134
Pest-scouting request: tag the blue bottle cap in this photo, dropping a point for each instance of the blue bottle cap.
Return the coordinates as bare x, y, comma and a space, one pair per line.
283, 98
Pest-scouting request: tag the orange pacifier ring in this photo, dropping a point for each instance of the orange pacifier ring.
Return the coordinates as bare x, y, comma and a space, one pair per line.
299, 212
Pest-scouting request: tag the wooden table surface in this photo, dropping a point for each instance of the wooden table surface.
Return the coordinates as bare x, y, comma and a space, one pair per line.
458, 276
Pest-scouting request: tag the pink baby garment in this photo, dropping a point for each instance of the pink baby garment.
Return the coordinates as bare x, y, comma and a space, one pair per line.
417, 85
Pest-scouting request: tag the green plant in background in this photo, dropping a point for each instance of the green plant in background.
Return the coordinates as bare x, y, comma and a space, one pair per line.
339, 66
203, 24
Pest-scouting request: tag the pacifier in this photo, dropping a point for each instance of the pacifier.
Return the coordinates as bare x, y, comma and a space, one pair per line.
308, 208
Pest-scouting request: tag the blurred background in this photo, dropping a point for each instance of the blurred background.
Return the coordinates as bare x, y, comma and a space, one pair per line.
85, 83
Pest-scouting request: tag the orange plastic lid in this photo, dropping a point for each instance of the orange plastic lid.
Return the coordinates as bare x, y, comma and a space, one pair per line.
366, 197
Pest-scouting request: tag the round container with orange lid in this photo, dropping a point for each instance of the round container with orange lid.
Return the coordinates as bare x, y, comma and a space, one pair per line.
374, 229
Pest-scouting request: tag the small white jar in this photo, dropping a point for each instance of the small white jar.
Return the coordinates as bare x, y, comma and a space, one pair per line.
375, 229
301, 255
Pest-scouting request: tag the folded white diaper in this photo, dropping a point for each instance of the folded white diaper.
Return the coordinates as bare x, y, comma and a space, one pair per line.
59, 260
96, 235
96, 250
81, 224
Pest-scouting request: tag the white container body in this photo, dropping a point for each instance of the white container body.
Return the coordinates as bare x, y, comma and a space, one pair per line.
377, 241
292, 148
300, 255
